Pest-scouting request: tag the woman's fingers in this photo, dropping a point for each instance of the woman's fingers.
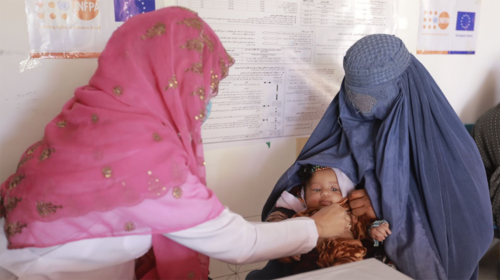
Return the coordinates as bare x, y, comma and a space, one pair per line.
357, 194
361, 205
331, 221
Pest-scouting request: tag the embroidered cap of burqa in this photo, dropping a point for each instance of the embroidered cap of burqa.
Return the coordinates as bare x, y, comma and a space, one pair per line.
391, 126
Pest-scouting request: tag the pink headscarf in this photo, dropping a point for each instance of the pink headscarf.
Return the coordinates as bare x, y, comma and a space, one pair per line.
128, 138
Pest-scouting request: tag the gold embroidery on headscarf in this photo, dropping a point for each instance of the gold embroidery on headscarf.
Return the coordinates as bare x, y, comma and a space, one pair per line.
46, 153
11, 203
157, 137
16, 181
230, 59
32, 149
95, 118
215, 82
194, 44
192, 22
14, 228
107, 172
23, 161
172, 83
61, 124
202, 114
200, 92
46, 208
129, 226
157, 30
177, 192
118, 90
208, 42
196, 68
223, 68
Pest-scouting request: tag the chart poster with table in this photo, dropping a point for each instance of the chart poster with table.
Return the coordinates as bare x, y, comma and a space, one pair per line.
448, 26
289, 61
288, 52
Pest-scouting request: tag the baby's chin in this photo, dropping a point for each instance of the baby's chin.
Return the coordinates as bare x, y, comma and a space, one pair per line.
324, 204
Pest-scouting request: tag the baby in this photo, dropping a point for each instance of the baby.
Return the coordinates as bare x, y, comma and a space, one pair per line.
323, 186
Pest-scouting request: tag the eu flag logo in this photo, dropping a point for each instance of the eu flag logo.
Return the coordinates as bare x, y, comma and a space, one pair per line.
465, 21
125, 9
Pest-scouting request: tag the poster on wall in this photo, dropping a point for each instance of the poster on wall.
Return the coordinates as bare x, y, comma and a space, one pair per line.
78, 28
448, 26
288, 61
288, 52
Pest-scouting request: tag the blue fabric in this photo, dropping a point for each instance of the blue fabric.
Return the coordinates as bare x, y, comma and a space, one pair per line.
391, 127
209, 110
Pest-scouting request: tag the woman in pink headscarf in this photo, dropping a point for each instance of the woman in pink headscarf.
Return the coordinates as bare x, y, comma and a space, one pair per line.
121, 169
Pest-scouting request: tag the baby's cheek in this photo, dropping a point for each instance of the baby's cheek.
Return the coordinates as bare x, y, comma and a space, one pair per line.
338, 197
312, 201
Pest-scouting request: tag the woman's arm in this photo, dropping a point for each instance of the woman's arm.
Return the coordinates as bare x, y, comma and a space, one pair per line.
278, 215
232, 239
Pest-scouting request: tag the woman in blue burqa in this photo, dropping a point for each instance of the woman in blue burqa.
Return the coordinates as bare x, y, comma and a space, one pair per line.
391, 127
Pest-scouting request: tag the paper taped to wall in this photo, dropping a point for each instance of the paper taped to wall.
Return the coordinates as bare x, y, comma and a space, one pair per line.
288, 60
288, 52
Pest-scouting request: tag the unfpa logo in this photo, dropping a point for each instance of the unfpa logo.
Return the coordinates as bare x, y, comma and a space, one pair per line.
86, 9
432, 20
444, 20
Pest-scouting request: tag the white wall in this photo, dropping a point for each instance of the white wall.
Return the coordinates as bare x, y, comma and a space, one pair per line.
242, 174
470, 82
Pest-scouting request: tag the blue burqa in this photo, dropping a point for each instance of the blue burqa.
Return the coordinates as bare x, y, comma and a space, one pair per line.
391, 126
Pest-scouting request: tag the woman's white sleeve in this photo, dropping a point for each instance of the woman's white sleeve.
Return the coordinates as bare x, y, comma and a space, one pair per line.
232, 239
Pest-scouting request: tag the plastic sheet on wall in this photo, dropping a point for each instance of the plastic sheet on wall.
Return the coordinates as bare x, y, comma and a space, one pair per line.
77, 28
288, 52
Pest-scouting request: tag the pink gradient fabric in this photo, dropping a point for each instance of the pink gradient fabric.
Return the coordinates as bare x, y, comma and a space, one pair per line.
116, 161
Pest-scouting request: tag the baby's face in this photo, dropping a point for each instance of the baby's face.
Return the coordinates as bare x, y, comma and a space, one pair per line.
323, 189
